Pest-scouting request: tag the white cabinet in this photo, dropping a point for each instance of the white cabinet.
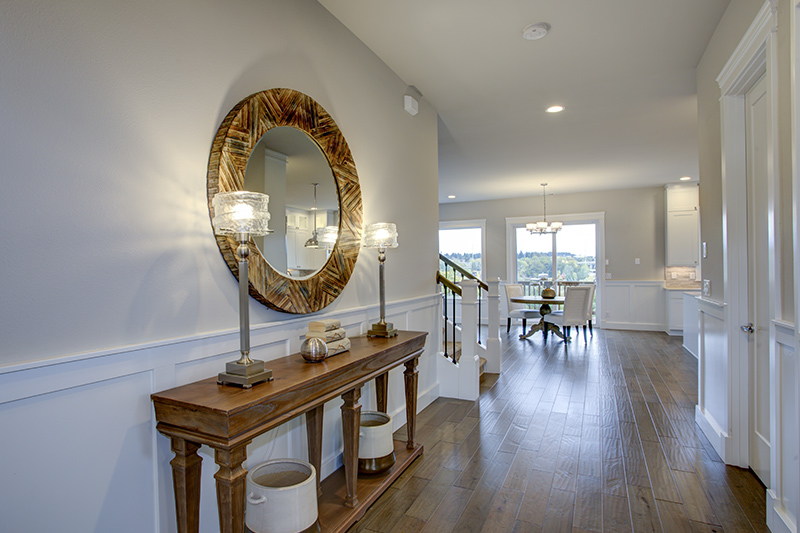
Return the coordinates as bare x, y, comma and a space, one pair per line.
682, 226
691, 322
675, 312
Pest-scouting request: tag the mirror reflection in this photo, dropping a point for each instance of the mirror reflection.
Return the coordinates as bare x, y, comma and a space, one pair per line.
286, 164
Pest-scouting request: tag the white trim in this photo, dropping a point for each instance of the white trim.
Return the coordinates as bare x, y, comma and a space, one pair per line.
754, 56
777, 519
269, 341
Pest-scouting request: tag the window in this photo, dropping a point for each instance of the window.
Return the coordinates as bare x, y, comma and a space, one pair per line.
570, 253
462, 243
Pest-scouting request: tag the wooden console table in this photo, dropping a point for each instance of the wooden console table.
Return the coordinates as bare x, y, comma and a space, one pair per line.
228, 418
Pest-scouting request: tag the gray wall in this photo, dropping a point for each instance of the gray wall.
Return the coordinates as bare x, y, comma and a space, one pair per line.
634, 224
108, 113
729, 32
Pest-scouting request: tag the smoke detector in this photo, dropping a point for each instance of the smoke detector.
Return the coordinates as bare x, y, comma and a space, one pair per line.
532, 32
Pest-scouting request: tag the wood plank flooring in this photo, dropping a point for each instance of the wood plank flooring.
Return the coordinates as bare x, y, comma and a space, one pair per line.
583, 436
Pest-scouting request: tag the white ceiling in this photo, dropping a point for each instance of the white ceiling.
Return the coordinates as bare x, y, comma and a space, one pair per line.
624, 70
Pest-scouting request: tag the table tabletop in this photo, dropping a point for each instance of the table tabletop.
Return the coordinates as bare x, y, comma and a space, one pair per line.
538, 300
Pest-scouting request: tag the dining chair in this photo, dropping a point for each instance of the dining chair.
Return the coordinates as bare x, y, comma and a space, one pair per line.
589, 310
574, 313
515, 310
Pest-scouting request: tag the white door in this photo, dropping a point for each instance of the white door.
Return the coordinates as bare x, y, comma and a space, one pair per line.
758, 278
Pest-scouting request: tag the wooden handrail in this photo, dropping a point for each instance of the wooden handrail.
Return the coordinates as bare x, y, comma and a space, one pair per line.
463, 271
447, 283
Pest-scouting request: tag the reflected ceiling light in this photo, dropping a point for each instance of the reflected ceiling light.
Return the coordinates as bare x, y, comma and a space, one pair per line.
555, 109
452, 196
686, 178
543, 227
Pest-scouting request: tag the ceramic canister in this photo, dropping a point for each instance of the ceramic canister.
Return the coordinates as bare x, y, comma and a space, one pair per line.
375, 443
282, 497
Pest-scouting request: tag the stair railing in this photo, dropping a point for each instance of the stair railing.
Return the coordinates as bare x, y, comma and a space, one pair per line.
454, 272
453, 290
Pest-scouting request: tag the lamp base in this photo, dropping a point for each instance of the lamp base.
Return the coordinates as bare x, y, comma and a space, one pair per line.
382, 329
244, 376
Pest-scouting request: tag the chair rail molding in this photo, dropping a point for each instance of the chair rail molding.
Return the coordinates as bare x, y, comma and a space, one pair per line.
102, 398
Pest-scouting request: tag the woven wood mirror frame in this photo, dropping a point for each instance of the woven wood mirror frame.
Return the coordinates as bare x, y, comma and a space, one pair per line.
237, 136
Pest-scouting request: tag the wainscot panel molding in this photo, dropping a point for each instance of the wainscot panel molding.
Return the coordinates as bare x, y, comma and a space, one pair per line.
712, 410
634, 305
91, 415
783, 495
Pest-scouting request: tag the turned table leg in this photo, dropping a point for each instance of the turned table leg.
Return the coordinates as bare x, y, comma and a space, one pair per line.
351, 421
186, 467
314, 436
381, 391
231, 488
411, 375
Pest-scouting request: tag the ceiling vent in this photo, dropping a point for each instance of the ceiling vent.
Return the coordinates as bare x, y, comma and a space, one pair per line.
532, 32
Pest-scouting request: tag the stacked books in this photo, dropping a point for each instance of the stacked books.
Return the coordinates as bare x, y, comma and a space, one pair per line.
329, 330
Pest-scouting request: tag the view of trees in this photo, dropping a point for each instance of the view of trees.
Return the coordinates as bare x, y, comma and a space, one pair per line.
471, 262
533, 265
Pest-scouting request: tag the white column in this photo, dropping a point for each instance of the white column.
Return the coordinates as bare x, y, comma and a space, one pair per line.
494, 353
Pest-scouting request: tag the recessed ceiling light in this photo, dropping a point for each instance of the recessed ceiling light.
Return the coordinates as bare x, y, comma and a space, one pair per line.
535, 31
452, 196
686, 178
555, 109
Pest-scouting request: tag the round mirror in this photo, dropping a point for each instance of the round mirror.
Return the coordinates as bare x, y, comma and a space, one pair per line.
259, 132
289, 167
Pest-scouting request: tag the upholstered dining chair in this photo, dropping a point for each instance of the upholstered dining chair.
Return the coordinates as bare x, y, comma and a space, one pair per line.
589, 310
515, 310
574, 314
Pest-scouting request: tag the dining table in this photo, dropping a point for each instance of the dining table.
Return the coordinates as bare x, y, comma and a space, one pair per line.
544, 310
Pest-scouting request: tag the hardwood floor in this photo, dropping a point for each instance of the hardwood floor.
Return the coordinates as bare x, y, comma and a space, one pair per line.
596, 436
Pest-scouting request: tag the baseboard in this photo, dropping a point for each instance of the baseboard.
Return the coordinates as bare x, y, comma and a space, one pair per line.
713, 431
633, 326
777, 520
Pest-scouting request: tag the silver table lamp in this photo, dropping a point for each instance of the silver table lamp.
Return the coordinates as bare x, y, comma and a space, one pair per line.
381, 235
242, 214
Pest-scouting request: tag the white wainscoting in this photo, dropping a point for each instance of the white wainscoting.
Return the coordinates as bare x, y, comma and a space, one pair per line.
80, 448
634, 305
783, 496
712, 413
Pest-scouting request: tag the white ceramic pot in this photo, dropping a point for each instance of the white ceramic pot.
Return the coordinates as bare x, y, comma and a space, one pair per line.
281, 497
375, 443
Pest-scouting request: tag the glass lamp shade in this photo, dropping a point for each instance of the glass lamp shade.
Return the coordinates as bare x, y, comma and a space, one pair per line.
327, 236
381, 235
241, 212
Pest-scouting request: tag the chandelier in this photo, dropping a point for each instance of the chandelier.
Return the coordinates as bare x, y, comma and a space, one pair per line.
543, 227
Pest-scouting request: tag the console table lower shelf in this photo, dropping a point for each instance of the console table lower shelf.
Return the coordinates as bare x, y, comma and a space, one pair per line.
334, 516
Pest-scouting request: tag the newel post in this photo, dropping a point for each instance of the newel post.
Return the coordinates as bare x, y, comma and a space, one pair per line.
494, 353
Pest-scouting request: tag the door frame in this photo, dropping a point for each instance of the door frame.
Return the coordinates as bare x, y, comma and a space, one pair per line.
755, 56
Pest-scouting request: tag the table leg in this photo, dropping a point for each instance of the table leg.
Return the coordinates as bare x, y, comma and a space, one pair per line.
186, 467
381, 390
411, 375
534, 328
351, 422
231, 488
314, 435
